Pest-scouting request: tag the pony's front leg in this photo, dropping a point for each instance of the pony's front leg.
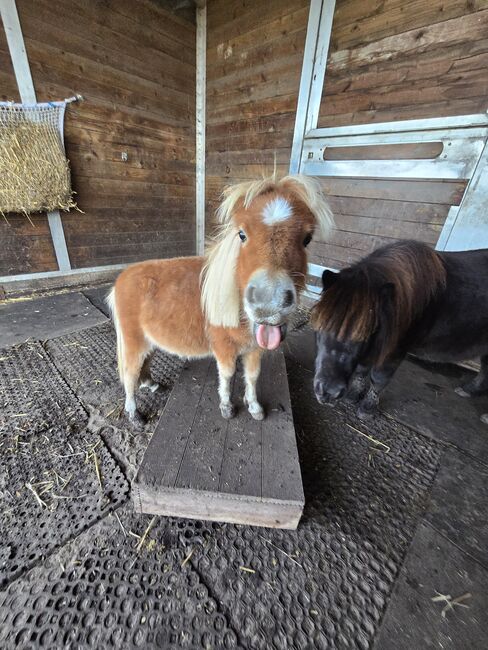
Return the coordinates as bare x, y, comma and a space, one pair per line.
380, 376
358, 386
252, 368
479, 384
226, 372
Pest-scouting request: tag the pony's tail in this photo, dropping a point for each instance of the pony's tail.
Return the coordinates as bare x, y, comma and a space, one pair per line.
110, 300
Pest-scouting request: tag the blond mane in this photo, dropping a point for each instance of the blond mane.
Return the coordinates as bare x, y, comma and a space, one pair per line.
220, 292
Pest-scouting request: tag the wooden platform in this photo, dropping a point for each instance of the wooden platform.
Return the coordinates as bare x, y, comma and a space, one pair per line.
200, 466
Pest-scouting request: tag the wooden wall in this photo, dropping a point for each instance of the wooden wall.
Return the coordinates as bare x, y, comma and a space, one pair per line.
388, 60
135, 65
254, 60
392, 60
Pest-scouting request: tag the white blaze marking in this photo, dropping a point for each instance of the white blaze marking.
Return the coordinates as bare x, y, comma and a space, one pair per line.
276, 210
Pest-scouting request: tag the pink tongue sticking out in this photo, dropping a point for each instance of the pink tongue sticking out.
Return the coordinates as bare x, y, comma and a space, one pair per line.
268, 336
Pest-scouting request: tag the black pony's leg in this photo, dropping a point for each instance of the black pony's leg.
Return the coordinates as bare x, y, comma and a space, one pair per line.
479, 384
379, 379
358, 386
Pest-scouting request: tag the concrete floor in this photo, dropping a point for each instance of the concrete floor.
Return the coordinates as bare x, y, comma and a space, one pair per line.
434, 595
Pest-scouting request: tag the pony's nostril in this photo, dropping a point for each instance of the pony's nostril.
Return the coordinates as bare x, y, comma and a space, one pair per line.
250, 293
289, 298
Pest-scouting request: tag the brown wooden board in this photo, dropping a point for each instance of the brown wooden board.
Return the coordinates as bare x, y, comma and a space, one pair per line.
200, 466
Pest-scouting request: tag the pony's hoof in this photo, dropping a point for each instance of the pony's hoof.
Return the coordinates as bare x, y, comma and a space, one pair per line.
461, 392
150, 385
257, 414
137, 420
484, 418
354, 396
367, 412
228, 411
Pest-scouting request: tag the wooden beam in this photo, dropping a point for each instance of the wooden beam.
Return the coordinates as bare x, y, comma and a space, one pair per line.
201, 50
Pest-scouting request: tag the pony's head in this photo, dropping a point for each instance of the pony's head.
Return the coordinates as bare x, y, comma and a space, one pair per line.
365, 311
256, 268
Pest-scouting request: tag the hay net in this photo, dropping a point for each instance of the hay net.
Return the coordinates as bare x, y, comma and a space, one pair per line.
34, 171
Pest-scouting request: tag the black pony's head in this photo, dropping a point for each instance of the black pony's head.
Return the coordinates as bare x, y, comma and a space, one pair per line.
339, 348
365, 310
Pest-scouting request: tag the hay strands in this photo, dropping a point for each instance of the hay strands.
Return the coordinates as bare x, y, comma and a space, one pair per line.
268, 541
386, 447
450, 602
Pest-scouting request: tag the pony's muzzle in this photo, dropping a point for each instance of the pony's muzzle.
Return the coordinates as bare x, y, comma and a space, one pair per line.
269, 299
327, 393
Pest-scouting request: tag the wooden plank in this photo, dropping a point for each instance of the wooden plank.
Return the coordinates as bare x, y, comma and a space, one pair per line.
394, 17
199, 465
446, 192
455, 30
281, 471
242, 458
408, 211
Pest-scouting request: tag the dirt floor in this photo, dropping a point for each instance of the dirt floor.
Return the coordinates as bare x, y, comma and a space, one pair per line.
391, 551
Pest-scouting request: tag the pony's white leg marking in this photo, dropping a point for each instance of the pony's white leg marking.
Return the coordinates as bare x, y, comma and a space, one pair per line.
252, 368
225, 377
146, 380
132, 373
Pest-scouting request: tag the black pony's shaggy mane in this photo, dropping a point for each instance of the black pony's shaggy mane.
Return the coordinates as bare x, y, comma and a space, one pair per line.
384, 294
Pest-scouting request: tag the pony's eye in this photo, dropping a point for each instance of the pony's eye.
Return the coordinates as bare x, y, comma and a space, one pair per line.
307, 240
242, 235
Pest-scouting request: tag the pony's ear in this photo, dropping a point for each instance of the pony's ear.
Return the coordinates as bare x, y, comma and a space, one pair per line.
328, 279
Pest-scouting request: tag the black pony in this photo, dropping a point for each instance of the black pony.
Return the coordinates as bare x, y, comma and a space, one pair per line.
402, 298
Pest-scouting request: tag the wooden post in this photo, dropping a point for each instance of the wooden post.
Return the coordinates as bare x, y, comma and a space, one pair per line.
201, 54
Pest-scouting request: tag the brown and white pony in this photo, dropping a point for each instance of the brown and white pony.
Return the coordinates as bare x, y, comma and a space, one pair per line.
235, 300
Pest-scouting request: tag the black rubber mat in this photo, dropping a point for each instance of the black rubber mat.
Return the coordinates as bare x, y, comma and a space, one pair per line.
33, 395
87, 360
117, 586
52, 486
327, 584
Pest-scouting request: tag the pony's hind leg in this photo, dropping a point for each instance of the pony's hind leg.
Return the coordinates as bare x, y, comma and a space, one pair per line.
134, 357
479, 384
252, 368
145, 379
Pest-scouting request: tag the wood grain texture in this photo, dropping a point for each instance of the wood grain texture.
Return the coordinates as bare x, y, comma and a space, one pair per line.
199, 465
136, 71
388, 60
254, 57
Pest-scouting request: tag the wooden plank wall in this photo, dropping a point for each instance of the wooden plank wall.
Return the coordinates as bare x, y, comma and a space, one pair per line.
389, 60
135, 66
254, 59
393, 60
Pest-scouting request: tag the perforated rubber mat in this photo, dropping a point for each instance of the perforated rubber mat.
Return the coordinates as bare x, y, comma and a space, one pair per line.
327, 584
33, 395
87, 360
116, 588
52, 486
